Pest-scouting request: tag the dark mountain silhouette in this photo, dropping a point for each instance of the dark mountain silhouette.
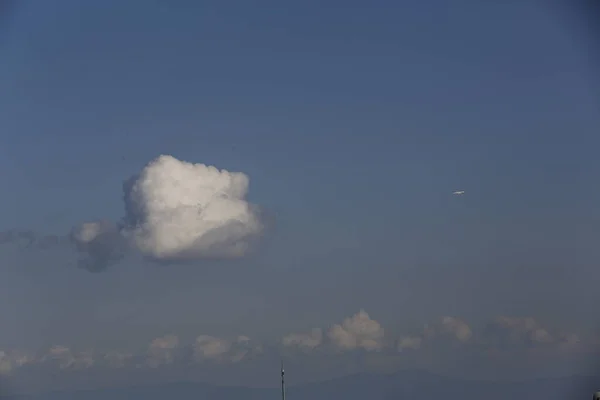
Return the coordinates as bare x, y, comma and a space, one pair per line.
404, 385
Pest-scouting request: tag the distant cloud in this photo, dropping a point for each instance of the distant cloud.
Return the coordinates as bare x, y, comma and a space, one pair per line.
508, 332
174, 211
358, 331
6, 363
307, 340
567, 340
452, 327
14, 359
67, 359
224, 350
457, 327
20, 358
117, 359
409, 342
209, 347
361, 332
162, 351
504, 337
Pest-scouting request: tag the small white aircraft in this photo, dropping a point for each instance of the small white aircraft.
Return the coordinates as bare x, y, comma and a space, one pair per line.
459, 192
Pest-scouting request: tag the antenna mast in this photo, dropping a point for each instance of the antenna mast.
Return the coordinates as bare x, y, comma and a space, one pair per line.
282, 382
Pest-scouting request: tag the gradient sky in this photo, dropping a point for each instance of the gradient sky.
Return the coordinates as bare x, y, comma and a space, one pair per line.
354, 122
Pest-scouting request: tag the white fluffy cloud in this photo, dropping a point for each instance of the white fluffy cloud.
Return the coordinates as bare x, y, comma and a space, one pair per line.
180, 210
176, 210
307, 340
358, 331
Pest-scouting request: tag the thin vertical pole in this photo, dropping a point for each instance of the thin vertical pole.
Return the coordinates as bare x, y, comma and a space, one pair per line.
282, 382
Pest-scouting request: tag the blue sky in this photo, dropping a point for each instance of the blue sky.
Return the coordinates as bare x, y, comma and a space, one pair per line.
354, 123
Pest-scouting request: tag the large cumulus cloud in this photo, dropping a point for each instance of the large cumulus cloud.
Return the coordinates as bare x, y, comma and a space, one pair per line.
178, 210
175, 211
